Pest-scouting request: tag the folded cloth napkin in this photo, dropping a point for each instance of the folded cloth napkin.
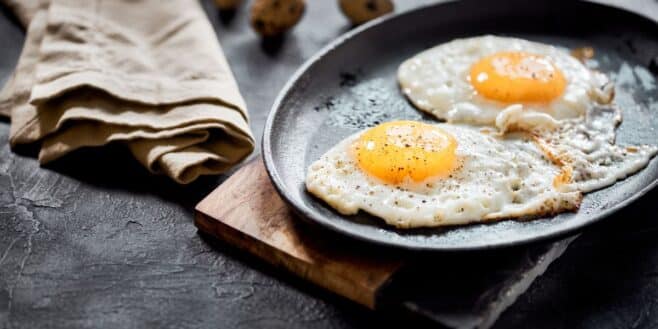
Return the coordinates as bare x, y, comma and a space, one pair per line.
146, 73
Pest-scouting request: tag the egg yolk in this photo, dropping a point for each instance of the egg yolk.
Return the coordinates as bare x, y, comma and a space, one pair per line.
517, 77
400, 150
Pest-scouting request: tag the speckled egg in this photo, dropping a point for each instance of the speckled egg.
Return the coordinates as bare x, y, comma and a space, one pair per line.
361, 11
274, 17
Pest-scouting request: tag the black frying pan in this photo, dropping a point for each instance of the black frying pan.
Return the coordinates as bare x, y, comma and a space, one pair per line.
351, 84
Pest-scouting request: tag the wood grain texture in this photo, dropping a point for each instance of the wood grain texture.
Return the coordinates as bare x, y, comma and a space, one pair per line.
248, 213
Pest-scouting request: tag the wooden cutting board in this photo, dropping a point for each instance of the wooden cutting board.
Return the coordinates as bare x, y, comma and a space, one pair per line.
246, 212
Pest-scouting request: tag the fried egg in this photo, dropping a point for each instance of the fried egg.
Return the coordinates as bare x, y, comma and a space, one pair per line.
477, 79
413, 174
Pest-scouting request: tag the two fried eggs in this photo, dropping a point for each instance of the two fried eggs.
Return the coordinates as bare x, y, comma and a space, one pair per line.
529, 130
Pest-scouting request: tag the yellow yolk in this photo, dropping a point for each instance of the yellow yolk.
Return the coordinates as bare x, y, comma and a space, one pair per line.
514, 77
400, 150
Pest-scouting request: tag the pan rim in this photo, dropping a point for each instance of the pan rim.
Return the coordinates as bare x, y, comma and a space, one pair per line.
302, 209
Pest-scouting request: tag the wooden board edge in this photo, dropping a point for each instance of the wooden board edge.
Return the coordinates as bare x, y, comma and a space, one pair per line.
334, 283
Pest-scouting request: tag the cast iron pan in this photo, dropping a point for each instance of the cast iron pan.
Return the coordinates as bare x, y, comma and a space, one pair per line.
351, 84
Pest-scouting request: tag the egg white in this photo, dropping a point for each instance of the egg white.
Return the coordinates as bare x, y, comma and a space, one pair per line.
587, 146
436, 81
498, 178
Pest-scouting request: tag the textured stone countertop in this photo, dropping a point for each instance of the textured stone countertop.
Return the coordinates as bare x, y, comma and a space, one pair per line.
93, 242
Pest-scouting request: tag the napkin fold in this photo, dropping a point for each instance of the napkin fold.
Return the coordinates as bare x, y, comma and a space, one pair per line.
146, 73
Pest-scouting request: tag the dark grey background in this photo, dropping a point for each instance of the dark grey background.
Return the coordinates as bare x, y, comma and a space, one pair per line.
95, 242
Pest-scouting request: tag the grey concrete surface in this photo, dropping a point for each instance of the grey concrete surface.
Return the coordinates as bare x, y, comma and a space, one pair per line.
91, 242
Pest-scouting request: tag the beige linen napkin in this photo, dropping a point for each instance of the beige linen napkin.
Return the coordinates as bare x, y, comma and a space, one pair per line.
147, 73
